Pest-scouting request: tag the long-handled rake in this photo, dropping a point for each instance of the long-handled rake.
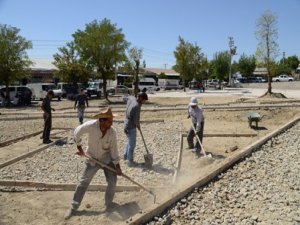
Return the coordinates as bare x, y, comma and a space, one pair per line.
204, 153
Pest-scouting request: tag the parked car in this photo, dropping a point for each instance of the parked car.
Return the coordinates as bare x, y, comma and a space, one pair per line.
39, 90
282, 78
119, 89
196, 85
213, 83
260, 80
94, 88
18, 95
67, 90
251, 79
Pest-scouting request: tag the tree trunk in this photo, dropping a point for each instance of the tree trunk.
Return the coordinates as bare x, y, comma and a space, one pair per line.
104, 89
269, 84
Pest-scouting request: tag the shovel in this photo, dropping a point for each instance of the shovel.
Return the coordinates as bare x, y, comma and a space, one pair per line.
148, 157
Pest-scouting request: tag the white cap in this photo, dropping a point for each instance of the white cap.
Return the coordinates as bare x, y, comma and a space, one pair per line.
194, 101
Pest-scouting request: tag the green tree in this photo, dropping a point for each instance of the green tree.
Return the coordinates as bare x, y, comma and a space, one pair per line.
247, 64
235, 67
197, 63
189, 60
267, 48
102, 46
162, 75
280, 68
14, 61
133, 65
291, 64
71, 68
221, 66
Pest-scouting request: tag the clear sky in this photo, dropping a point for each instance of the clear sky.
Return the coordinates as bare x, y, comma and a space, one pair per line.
154, 25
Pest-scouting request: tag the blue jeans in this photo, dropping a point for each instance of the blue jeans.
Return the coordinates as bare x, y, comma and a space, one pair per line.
80, 111
85, 180
129, 149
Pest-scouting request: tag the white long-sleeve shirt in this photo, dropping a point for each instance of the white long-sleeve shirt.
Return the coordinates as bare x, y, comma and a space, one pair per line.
104, 149
197, 116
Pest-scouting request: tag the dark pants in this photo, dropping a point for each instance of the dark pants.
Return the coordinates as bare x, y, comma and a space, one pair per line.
47, 127
191, 135
85, 180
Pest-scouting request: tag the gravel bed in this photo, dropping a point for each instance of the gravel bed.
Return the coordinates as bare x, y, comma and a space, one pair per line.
262, 189
18, 128
59, 164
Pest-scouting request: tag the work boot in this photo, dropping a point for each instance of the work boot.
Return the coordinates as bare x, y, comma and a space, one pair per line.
190, 147
71, 212
111, 207
131, 163
47, 141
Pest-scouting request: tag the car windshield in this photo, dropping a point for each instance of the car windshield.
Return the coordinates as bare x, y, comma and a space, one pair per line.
47, 87
94, 85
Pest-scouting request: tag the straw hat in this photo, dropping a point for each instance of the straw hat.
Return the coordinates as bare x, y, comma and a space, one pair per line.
106, 113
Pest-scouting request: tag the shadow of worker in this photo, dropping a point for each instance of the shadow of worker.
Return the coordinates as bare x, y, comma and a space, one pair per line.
124, 211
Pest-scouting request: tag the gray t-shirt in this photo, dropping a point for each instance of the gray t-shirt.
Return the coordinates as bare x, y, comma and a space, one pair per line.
132, 114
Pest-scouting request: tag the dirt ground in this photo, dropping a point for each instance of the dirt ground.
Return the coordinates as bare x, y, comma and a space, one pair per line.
48, 207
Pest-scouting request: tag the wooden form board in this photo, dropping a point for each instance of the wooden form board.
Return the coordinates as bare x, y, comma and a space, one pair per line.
16, 159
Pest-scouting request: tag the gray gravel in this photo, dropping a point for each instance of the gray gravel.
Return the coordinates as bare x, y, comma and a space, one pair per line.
262, 189
58, 164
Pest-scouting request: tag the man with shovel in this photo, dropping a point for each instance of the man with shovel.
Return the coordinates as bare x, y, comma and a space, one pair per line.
197, 119
102, 147
132, 122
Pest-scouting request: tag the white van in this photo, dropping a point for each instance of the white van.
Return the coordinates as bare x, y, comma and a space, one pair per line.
39, 90
147, 84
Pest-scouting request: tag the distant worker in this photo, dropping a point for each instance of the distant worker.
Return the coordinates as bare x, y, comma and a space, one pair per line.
197, 120
81, 100
131, 123
46, 107
102, 146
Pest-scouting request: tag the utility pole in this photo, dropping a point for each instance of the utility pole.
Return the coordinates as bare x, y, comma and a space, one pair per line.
232, 52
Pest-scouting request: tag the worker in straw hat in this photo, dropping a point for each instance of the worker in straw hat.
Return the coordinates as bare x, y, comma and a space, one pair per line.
102, 146
196, 114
